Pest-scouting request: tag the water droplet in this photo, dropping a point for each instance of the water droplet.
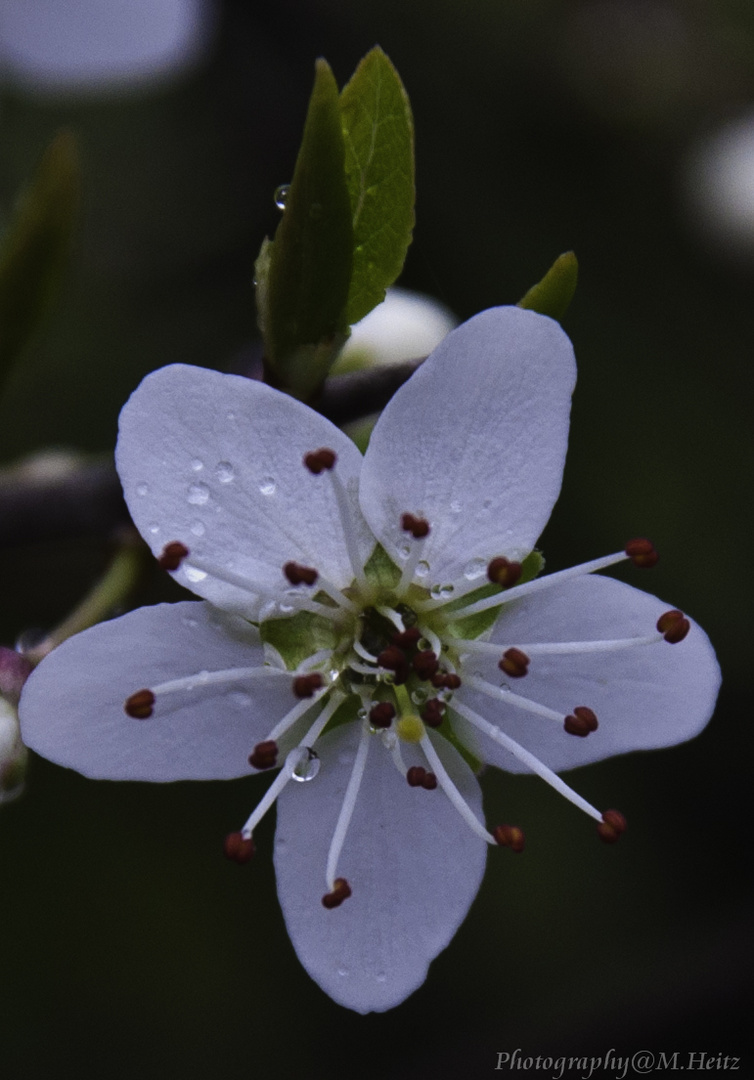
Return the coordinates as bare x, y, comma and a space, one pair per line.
195, 575
286, 609
389, 740
441, 592
198, 494
455, 507
154, 527
190, 621
303, 764
239, 698
419, 696
267, 485
29, 639
474, 569
197, 528
404, 551
224, 472
422, 569
343, 972
231, 417
362, 714
197, 465
281, 195
381, 976
142, 489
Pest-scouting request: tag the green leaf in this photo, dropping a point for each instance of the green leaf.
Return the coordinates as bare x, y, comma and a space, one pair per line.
303, 275
553, 294
34, 250
379, 138
298, 636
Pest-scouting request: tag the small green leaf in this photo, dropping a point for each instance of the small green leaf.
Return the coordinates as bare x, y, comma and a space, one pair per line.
303, 275
298, 636
553, 294
34, 250
379, 139
380, 570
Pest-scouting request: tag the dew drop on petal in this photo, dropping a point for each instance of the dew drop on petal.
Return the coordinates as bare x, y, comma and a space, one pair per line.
142, 489
224, 472
404, 551
380, 977
455, 507
195, 575
343, 972
474, 569
267, 485
281, 194
303, 764
190, 622
239, 698
197, 465
154, 528
197, 528
198, 494
419, 696
362, 714
422, 569
441, 592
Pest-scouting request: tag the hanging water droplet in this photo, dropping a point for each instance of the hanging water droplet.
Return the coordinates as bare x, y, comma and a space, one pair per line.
474, 569
197, 528
423, 645
419, 696
362, 714
389, 740
29, 639
267, 485
224, 472
303, 764
195, 575
197, 465
422, 569
154, 528
198, 494
142, 489
281, 194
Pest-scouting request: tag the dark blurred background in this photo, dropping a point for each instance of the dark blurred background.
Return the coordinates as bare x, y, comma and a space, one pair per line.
619, 128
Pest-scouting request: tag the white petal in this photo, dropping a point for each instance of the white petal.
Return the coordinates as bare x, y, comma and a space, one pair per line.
644, 697
215, 461
412, 863
475, 441
72, 705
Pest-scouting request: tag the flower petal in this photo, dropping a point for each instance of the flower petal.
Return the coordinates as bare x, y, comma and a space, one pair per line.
72, 705
644, 697
215, 461
475, 442
412, 863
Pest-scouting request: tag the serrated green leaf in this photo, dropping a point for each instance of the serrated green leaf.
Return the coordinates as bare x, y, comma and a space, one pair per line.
379, 139
303, 275
553, 294
34, 250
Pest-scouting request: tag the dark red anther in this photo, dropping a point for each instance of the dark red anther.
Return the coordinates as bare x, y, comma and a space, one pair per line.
341, 891
429, 783
514, 663
382, 714
415, 776
300, 575
407, 639
264, 755
673, 626
642, 553
502, 571
581, 722
305, 686
417, 526
172, 555
239, 848
612, 826
425, 664
509, 836
452, 681
432, 712
318, 461
140, 705
392, 658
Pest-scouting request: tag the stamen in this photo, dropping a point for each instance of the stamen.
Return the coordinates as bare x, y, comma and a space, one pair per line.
612, 826
417, 776
392, 616
673, 626
340, 892
172, 555
407, 639
556, 648
320, 460
432, 712
514, 663
453, 793
286, 773
582, 722
433, 640
419, 529
213, 678
300, 575
504, 572
347, 809
417, 526
527, 758
425, 664
536, 585
306, 686
238, 848
501, 694
642, 553
290, 719
264, 755
509, 836
140, 705
446, 680
394, 659
382, 714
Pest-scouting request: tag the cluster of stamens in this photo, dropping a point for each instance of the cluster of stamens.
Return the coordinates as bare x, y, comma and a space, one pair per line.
403, 659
